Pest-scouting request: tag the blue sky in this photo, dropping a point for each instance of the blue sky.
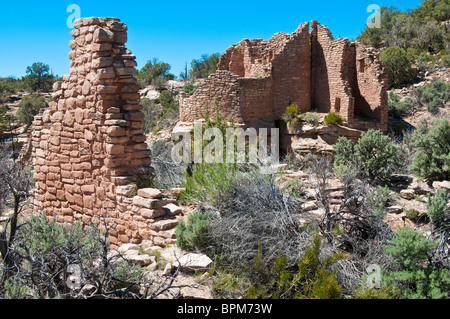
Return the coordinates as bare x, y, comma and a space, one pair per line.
173, 31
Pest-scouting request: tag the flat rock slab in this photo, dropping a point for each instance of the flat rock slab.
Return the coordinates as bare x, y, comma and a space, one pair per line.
193, 262
172, 209
164, 224
150, 193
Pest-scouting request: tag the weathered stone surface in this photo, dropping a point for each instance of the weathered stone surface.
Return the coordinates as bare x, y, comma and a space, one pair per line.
164, 224
395, 210
150, 193
127, 190
442, 185
193, 262
103, 35
152, 213
172, 209
407, 194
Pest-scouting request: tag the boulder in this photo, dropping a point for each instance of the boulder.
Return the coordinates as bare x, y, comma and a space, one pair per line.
407, 194
442, 185
172, 210
193, 262
140, 260
310, 206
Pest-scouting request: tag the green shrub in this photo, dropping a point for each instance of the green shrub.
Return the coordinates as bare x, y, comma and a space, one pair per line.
312, 118
333, 118
436, 205
194, 234
400, 108
203, 67
154, 71
167, 100
432, 144
434, 95
312, 278
291, 115
29, 107
387, 292
375, 152
412, 214
417, 278
190, 88
399, 66
127, 273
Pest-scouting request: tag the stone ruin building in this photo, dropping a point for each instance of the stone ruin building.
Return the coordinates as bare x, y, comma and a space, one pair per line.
256, 80
89, 146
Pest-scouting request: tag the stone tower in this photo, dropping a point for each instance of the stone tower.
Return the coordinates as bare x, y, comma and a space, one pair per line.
89, 146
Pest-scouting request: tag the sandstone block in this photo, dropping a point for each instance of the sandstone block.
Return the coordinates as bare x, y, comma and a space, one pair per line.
172, 209
150, 193
114, 149
151, 213
126, 190
103, 35
164, 224
116, 131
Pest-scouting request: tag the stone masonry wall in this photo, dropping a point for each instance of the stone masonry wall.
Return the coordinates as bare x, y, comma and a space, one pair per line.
90, 144
310, 69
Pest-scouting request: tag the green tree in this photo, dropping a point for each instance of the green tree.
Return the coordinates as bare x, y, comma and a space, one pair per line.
29, 107
39, 78
375, 152
399, 66
203, 67
154, 71
432, 160
167, 100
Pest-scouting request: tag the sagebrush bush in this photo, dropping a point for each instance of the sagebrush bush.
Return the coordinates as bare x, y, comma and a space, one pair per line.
29, 107
333, 118
195, 234
434, 95
398, 107
312, 118
432, 146
375, 152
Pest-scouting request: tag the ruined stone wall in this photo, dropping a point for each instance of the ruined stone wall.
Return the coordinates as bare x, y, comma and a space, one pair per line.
313, 70
248, 58
221, 88
89, 145
331, 60
291, 71
372, 83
